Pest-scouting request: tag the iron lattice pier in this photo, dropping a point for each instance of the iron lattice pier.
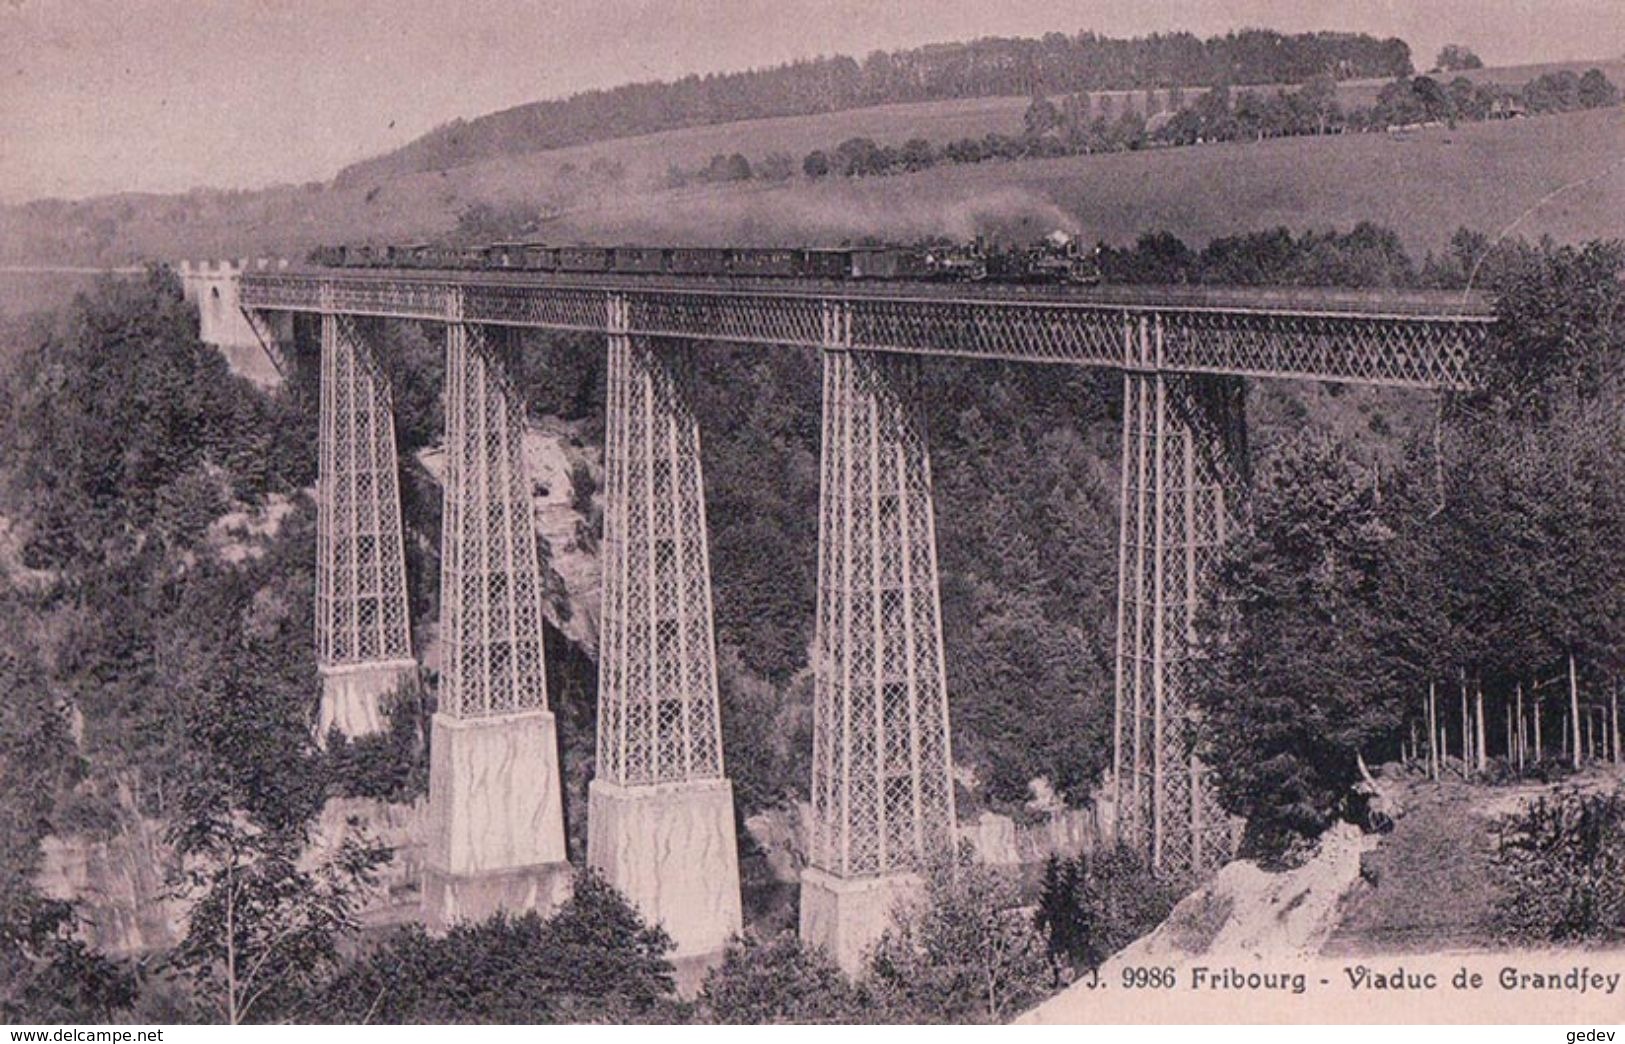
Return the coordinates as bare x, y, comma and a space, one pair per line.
490, 585
361, 609
657, 680
1184, 476
882, 787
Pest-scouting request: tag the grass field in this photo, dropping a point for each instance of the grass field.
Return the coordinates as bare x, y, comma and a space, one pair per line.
1425, 185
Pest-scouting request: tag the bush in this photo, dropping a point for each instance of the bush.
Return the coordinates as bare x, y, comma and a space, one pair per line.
1094, 905
778, 980
962, 952
593, 961
1563, 860
392, 765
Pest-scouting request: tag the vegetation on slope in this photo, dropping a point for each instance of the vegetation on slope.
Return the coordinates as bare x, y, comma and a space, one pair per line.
981, 68
1490, 558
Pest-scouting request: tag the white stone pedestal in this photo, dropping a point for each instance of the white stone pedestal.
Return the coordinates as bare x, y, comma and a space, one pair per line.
352, 696
671, 851
847, 916
496, 819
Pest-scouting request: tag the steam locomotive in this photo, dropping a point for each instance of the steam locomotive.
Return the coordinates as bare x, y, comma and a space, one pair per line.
1057, 258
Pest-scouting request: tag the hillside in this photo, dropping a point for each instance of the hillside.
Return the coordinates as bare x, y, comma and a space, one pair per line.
987, 67
1483, 176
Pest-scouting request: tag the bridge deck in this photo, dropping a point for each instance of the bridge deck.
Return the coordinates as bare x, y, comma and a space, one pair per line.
1404, 338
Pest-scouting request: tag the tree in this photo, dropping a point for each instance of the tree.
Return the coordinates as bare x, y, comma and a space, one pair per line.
859, 157
816, 165
776, 166
1300, 681
917, 154
1597, 91
963, 950
1456, 58
1093, 905
1041, 117
1431, 98
263, 932
1319, 99
48, 975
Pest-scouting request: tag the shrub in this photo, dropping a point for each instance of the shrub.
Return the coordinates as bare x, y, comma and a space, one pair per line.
778, 980
1094, 905
1563, 860
963, 951
392, 765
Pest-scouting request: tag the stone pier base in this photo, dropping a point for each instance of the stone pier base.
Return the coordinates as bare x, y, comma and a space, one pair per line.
671, 851
352, 696
496, 819
846, 916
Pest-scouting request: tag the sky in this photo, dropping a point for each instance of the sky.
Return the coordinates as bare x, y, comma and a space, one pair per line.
103, 96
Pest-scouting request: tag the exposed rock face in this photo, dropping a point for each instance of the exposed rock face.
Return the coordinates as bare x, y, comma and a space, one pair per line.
119, 886
1244, 917
1000, 841
397, 896
571, 567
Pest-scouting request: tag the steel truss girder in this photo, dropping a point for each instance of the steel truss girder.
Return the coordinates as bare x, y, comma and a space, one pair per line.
361, 606
882, 795
1183, 477
490, 582
657, 688
1423, 350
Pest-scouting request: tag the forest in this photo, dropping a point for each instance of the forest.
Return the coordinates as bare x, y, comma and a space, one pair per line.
989, 67
159, 664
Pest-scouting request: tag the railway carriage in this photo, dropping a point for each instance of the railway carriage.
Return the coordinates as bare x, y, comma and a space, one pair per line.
827, 264
887, 263
639, 260
584, 259
712, 261
765, 261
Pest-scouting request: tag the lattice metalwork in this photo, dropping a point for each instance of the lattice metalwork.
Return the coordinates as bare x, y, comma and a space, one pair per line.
361, 608
490, 584
1419, 353
555, 309
991, 330
882, 790
657, 681
756, 319
1184, 460
378, 296
1323, 335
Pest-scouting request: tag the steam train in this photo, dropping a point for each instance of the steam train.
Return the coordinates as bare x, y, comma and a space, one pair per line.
1057, 258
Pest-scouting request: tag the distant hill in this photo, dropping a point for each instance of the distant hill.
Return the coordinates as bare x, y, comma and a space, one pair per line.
989, 67
1424, 186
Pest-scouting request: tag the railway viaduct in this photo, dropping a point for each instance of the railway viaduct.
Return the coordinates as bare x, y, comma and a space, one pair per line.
661, 823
